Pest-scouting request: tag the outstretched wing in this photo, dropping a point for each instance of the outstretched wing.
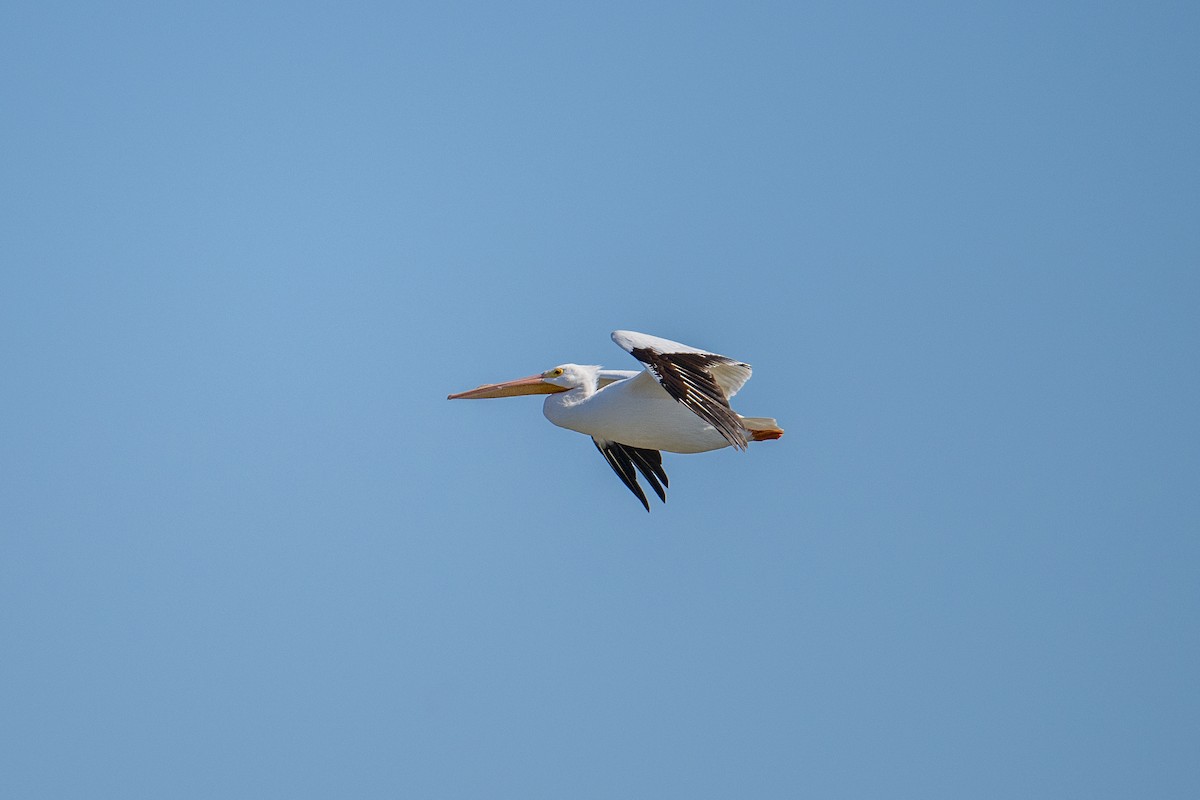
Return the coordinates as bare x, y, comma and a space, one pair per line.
623, 459
702, 382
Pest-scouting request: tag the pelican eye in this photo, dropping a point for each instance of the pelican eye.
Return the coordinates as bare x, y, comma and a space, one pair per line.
553, 373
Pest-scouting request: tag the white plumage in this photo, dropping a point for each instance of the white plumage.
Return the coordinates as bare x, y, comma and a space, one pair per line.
679, 403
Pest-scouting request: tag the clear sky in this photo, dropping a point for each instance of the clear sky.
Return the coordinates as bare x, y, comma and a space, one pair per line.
248, 549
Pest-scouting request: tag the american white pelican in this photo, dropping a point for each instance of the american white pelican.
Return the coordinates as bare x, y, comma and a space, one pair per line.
678, 403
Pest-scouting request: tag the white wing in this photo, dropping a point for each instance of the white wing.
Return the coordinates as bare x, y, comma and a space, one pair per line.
703, 382
607, 376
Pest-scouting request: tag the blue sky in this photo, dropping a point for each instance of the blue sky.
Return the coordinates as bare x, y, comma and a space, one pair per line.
247, 549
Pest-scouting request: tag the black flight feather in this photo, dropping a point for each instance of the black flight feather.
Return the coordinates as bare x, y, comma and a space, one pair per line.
624, 459
686, 377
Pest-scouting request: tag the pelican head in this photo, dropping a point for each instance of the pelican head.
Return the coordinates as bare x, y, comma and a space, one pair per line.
562, 378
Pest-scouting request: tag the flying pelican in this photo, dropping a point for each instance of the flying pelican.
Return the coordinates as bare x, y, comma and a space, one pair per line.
678, 403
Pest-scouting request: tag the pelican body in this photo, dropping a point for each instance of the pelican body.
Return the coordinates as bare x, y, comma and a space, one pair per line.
679, 402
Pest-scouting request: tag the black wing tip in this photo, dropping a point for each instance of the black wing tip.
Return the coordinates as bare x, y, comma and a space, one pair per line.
649, 463
627, 461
